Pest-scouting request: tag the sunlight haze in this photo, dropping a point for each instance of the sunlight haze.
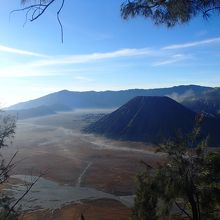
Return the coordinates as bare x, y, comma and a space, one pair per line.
101, 51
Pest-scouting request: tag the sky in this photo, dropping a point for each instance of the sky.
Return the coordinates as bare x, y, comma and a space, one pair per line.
101, 51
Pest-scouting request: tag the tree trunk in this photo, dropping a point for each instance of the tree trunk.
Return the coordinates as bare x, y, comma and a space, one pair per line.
195, 213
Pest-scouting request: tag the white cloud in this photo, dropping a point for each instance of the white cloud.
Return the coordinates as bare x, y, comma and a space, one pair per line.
20, 52
173, 59
193, 44
57, 65
83, 78
85, 58
37, 68
52, 66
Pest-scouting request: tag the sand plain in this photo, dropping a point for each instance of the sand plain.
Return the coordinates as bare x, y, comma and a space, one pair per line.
56, 146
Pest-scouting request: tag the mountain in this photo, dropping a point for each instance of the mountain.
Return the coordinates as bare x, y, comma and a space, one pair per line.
59, 107
107, 99
208, 102
39, 111
152, 119
32, 112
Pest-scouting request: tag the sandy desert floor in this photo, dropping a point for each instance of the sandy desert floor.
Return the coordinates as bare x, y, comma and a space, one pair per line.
56, 146
93, 210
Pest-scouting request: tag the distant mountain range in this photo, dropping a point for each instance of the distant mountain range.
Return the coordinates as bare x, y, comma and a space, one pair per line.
145, 114
196, 98
39, 111
152, 119
108, 99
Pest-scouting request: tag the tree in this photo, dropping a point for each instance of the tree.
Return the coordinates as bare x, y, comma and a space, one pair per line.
187, 184
146, 198
7, 131
169, 12
38, 8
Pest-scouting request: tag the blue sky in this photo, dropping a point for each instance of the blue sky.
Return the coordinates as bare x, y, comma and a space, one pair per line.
101, 51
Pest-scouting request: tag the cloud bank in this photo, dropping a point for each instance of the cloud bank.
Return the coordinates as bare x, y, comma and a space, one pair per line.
20, 52
42, 64
193, 44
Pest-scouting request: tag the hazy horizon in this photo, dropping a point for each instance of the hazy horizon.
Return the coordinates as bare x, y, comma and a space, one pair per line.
25, 100
101, 51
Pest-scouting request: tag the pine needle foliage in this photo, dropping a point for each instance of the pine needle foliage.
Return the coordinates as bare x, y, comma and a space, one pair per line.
169, 12
187, 184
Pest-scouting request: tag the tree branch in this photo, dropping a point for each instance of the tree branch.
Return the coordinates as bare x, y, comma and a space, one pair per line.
35, 11
183, 210
206, 12
25, 193
58, 18
6, 169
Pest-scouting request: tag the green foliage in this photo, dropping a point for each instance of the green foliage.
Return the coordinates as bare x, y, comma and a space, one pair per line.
169, 12
187, 181
5, 213
7, 128
145, 209
7, 131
